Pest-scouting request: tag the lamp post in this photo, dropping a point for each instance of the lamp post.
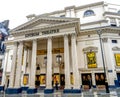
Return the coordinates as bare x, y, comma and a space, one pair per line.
99, 32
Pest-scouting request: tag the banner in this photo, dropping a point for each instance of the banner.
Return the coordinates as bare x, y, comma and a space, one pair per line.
54, 51
91, 60
56, 78
25, 79
117, 59
42, 79
71, 78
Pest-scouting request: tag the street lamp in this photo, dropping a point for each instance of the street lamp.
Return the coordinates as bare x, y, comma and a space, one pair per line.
99, 32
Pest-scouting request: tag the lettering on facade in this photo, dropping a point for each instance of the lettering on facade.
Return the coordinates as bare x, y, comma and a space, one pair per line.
32, 34
50, 31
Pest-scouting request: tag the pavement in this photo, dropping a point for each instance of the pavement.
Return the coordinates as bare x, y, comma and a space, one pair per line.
59, 93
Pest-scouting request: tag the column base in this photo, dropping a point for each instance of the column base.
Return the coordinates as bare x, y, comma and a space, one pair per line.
24, 88
1, 88
31, 90
71, 91
13, 90
48, 91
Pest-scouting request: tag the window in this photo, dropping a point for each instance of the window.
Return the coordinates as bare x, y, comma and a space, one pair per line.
114, 41
89, 13
113, 22
62, 15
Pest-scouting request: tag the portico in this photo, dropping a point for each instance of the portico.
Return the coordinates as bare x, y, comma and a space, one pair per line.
39, 38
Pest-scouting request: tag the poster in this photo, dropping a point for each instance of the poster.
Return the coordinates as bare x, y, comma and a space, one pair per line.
117, 59
56, 77
86, 78
71, 78
100, 78
42, 79
91, 60
25, 79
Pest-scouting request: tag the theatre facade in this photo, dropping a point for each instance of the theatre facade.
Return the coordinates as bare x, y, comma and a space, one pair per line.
48, 49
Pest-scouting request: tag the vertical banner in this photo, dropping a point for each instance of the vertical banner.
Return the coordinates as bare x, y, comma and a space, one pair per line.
117, 59
42, 79
25, 79
56, 78
71, 78
91, 60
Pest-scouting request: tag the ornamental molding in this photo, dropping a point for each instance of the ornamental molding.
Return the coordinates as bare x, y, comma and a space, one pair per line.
116, 48
90, 49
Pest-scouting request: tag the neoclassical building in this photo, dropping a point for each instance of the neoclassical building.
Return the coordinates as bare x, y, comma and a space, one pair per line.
76, 47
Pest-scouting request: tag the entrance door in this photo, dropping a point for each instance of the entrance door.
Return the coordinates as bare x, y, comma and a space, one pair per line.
118, 76
62, 81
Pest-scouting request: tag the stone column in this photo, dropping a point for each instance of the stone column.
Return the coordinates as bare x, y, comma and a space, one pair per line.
19, 66
75, 62
33, 65
5, 66
49, 64
24, 60
67, 63
12, 73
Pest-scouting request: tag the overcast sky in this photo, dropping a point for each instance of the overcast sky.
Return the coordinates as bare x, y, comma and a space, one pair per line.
17, 10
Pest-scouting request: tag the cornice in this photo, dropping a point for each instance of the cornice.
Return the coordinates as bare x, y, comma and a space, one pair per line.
95, 22
110, 13
89, 5
106, 29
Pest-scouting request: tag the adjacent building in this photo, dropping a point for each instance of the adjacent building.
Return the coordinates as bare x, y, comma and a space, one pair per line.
65, 47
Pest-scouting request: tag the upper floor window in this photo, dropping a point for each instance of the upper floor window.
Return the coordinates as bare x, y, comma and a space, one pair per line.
62, 15
113, 22
89, 13
114, 41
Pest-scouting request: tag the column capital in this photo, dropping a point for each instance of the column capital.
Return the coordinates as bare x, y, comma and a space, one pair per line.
73, 34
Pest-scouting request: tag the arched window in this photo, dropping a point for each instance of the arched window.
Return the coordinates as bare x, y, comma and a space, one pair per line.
89, 13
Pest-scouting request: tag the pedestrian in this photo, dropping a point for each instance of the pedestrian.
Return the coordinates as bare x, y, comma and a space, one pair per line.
56, 85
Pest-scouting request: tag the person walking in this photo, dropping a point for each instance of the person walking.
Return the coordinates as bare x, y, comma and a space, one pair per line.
56, 85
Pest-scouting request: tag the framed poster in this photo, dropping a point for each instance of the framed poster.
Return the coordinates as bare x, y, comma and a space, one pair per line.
42, 79
25, 79
117, 59
100, 78
91, 60
56, 77
71, 78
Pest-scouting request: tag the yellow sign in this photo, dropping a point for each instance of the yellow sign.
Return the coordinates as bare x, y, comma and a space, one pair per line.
54, 51
56, 78
71, 78
117, 59
91, 60
42, 79
25, 79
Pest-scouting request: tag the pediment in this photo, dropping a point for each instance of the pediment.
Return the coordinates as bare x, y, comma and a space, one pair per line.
40, 22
